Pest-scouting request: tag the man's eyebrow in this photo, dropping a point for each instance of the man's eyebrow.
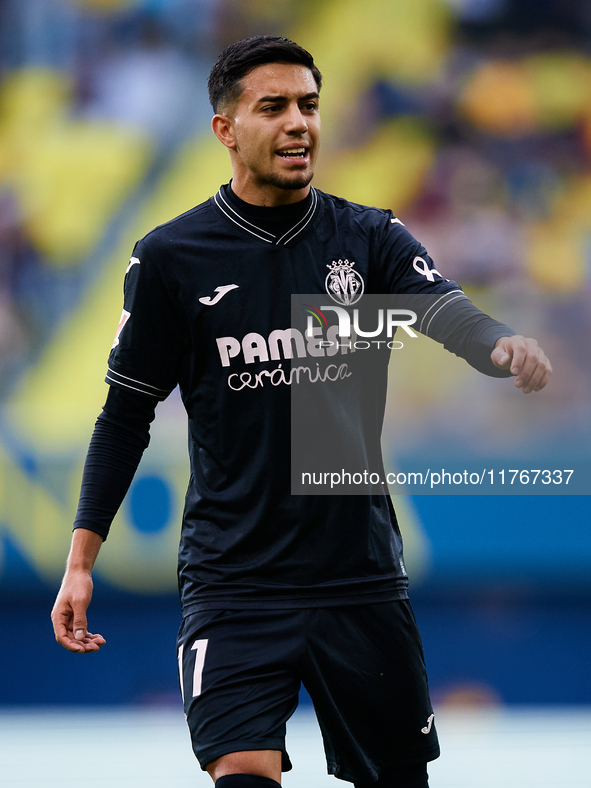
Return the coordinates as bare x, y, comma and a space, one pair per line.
307, 97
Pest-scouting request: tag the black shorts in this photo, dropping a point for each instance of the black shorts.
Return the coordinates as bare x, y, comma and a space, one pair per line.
362, 665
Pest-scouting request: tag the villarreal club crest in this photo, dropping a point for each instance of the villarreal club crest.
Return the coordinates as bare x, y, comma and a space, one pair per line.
343, 284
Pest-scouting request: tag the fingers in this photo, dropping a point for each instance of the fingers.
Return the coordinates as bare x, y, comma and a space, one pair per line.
502, 354
85, 646
71, 640
89, 643
530, 366
69, 618
65, 637
525, 359
538, 376
525, 362
80, 624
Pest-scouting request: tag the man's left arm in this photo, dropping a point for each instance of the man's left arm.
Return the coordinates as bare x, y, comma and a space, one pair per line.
446, 315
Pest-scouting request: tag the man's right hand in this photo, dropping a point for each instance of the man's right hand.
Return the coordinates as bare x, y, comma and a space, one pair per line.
69, 611
69, 614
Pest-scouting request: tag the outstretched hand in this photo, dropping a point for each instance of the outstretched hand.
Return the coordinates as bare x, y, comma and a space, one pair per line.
525, 359
69, 614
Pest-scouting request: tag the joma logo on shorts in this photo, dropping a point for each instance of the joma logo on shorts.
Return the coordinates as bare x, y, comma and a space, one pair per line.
427, 728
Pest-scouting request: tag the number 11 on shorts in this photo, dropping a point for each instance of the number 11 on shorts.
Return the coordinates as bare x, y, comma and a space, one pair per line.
199, 647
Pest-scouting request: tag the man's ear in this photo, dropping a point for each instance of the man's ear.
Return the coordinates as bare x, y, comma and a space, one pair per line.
224, 130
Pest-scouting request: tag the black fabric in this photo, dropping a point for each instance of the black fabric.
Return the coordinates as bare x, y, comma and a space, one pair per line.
406, 776
362, 665
120, 436
467, 332
246, 781
277, 220
207, 305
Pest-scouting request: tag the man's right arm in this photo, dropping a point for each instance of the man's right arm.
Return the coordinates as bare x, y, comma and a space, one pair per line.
121, 434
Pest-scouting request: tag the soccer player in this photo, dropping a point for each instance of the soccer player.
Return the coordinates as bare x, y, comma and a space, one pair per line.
275, 588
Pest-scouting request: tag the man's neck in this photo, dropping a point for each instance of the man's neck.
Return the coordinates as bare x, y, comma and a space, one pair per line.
268, 196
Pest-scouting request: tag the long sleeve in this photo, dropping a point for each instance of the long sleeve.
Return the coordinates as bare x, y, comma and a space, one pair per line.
466, 331
444, 312
120, 436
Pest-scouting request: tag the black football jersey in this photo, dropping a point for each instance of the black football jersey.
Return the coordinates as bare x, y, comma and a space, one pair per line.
208, 307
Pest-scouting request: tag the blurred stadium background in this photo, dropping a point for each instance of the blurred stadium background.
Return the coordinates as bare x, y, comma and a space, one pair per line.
471, 119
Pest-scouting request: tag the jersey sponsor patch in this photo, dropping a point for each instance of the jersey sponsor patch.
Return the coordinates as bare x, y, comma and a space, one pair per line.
125, 315
343, 284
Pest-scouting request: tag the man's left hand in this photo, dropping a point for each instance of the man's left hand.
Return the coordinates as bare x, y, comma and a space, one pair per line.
525, 359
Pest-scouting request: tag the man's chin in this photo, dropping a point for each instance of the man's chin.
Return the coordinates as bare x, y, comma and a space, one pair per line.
293, 183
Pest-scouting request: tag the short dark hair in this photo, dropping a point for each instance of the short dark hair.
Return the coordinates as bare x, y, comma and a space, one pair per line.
237, 60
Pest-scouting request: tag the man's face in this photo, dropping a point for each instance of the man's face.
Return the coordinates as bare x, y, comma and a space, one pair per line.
275, 132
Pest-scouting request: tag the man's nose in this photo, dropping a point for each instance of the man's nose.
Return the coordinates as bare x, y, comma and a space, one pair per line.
295, 122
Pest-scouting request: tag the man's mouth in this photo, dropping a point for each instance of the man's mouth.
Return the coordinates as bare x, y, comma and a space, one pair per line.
293, 153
